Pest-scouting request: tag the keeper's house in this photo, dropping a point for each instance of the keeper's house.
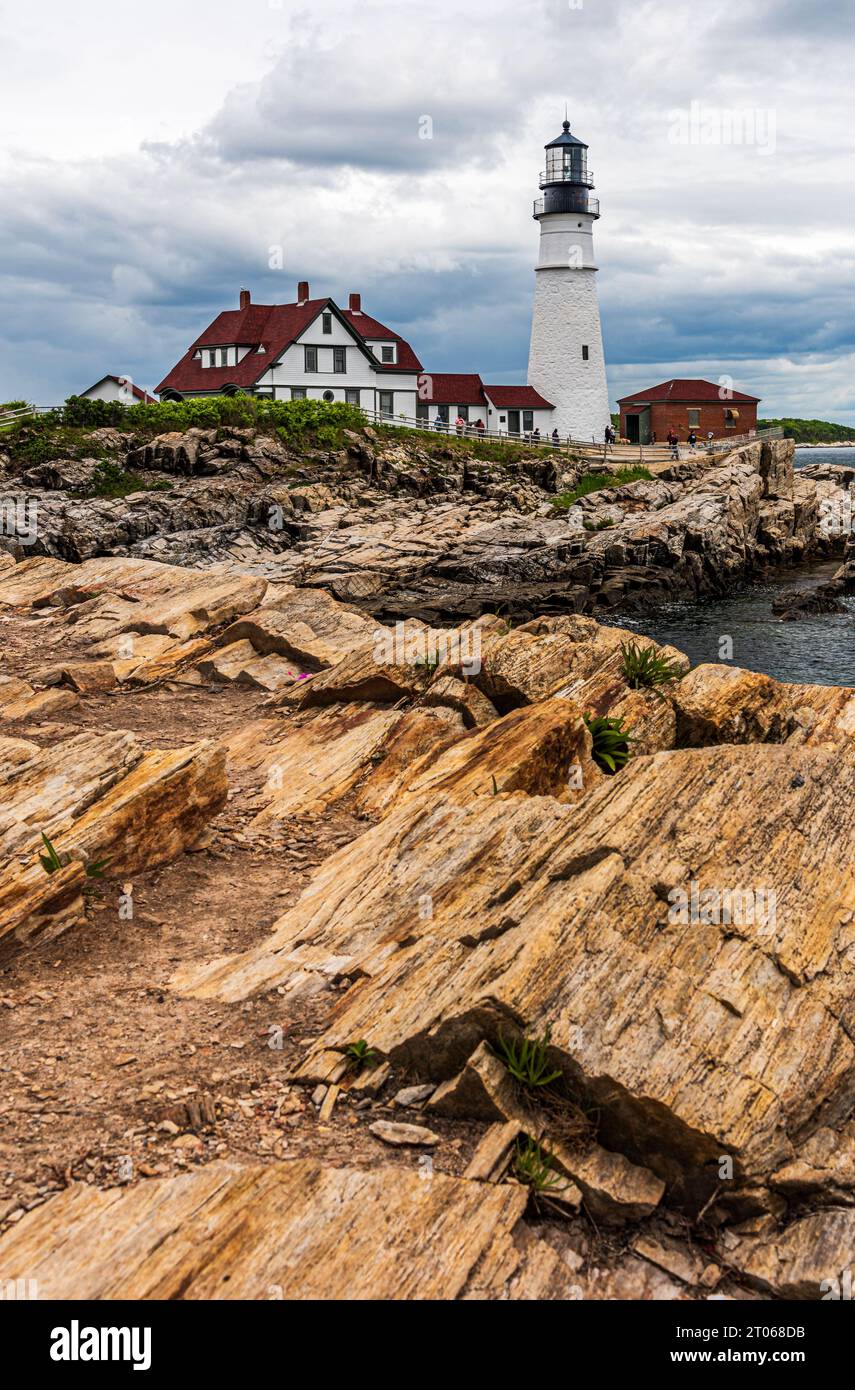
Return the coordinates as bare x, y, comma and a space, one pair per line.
314, 349
685, 405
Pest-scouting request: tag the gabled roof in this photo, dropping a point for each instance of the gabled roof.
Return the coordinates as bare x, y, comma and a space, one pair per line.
684, 391
123, 381
274, 327
517, 398
369, 328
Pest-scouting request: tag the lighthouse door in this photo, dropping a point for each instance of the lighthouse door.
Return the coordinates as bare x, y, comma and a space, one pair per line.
513, 422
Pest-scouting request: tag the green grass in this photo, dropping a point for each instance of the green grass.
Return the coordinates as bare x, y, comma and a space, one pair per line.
644, 669
594, 482
467, 446
611, 741
111, 480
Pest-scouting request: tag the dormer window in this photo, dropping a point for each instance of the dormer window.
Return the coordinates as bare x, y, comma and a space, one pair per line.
219, 357
387, 354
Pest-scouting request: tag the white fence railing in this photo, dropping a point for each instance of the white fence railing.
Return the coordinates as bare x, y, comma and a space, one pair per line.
619, 449
9, 417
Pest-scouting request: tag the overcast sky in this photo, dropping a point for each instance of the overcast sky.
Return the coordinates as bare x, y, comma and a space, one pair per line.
157, 157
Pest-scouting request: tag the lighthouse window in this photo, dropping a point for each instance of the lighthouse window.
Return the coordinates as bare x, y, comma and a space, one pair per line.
311, 359
327, 322
339, 359
585, 353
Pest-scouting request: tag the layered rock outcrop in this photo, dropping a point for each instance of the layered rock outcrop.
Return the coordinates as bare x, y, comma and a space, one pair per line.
677, 939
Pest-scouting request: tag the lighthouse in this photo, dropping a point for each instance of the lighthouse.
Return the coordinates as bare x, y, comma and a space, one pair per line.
566, 363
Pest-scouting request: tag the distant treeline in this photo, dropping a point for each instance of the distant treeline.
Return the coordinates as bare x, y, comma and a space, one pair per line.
811, 431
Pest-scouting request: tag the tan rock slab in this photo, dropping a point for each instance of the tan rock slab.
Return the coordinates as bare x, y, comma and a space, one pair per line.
539, 749
308, 761
695, 1038
615, 1191
808, 1259
296, 1231
724, 704
97, 797
306, 626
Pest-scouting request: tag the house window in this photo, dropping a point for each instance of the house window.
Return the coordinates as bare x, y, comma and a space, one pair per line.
351, 395
339, 359
387, 354
329, 396
311, 359
386, 402
463, 412
442, 413
327, 322
585, 352
528, 420
694, 419
298, 393
730, 418
422, 410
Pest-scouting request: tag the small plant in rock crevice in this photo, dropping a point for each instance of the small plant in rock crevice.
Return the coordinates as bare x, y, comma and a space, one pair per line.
527, 1060
644, 669
55, 859
532, 1166
610, 742
359, 1056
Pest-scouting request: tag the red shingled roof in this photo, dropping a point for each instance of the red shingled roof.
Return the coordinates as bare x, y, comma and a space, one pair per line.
517, 398
686, 391
452, 388
275, 327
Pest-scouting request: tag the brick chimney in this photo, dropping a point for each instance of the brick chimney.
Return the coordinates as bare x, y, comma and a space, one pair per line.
245, 299
302, 291
355, 304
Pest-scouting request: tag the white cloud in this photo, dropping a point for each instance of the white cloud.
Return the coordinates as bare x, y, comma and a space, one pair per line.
148, 179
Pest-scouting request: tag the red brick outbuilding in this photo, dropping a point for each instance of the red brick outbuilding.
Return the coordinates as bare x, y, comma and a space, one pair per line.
685, 405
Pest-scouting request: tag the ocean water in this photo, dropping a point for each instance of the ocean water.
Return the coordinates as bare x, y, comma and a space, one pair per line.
817, 651
806, 455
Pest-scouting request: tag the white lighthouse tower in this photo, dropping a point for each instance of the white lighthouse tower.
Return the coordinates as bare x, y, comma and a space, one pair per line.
566, 362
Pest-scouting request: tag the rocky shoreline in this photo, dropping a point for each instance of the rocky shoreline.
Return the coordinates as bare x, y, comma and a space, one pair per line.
402, 531
316, 878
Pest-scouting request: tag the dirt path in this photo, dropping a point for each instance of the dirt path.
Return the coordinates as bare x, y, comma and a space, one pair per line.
99, 1058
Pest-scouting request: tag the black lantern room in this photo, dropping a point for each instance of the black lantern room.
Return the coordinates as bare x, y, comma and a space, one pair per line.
566, 178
